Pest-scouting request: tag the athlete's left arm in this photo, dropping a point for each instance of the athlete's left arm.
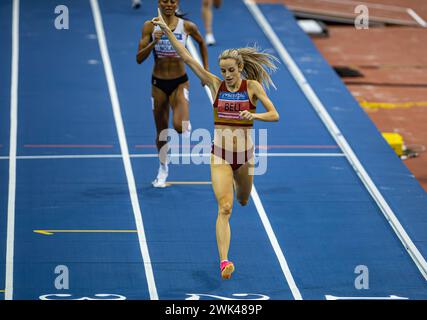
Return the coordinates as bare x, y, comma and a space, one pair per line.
194, 32
257, 92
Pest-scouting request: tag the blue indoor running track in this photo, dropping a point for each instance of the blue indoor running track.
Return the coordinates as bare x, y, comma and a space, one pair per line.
336, 215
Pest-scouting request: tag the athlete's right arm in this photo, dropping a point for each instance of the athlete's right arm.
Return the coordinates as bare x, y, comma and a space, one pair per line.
145, 44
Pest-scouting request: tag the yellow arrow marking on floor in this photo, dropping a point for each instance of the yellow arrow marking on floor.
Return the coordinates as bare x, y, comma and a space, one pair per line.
51, 232
170, 183
2, 290
386, 105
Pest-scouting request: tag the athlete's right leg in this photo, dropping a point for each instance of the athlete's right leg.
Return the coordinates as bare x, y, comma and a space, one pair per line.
222, 184
243, 179
160, 108
207, 19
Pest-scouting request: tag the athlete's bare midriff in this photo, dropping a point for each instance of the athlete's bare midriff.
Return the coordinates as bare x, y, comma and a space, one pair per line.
168, 68
236, 139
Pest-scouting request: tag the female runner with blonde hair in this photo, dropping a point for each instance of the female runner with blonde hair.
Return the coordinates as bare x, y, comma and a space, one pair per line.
244, 71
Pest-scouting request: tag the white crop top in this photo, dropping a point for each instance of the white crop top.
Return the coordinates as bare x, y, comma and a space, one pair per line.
163, 48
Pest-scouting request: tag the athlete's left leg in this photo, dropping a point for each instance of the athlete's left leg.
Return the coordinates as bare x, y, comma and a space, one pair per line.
179, 101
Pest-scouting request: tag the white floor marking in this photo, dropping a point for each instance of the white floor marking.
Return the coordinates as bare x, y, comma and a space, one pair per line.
10, 239
124, 148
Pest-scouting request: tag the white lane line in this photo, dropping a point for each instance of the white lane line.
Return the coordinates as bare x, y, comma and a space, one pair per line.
275, 244
339, 138
124, 149
10, 239
262, 214
417, 18
192, 49
173, 155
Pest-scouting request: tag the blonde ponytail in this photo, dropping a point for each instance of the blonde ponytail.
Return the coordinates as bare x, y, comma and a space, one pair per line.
257, 65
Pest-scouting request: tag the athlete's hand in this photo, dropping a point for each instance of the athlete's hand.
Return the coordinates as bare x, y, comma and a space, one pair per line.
246, 115
158, 35
158, 21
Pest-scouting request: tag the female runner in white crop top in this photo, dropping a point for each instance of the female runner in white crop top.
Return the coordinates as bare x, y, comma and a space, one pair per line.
169, 79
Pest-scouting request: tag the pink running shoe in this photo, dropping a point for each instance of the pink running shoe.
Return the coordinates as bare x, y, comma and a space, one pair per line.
227, 268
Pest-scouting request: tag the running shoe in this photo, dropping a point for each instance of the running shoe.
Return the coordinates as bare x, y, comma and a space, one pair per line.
162, 175
227, 268
210, 39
